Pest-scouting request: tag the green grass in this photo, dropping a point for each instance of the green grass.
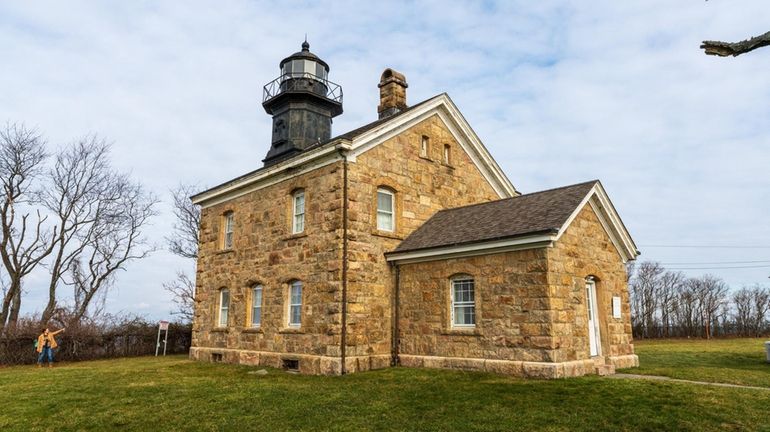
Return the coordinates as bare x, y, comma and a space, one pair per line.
733, 361
156, 394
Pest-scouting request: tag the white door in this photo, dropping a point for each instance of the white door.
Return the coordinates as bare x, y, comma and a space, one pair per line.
593, 319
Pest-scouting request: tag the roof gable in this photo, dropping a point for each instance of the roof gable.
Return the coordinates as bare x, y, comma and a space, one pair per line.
359, 140
532, 220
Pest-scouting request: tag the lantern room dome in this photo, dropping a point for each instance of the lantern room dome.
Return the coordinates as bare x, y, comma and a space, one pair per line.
304, 62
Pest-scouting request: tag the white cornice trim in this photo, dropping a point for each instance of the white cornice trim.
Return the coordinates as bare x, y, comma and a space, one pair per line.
475, 249
314, 159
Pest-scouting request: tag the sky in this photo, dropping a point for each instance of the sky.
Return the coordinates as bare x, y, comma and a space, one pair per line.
560, 92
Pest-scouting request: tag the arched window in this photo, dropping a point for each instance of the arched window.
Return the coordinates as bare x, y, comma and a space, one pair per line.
295, 303
229, 227
256, 305
224, 307
386, 210
462, 291
298, 220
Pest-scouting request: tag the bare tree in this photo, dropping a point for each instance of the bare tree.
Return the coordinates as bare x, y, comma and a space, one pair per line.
116, 239
25, 240
670, 282
80, 180
183, 242
644, 293
726, 49
761, 300
743, 310
183, 291
712, 295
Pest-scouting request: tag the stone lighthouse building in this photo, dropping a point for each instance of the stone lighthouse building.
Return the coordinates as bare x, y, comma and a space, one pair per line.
403, 242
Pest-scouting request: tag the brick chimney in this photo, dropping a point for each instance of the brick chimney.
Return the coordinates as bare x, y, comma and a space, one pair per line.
392, 93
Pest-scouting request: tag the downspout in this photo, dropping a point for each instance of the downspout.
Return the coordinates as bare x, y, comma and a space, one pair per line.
344, 331
395, 339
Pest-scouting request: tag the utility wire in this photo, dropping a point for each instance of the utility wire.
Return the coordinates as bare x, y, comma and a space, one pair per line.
705, 246
717, 268
715, 262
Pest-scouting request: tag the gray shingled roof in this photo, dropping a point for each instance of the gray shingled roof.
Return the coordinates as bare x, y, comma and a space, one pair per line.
534, 213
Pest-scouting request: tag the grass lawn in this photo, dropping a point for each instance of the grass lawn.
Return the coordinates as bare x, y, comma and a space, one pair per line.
733, 361
173, 393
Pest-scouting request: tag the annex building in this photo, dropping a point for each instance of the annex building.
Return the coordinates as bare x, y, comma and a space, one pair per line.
402, 242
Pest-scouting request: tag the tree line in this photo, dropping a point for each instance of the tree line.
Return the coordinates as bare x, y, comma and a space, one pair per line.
666, 303
71, 213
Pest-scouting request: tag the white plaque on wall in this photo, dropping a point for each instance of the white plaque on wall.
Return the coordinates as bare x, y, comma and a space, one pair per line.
616, 307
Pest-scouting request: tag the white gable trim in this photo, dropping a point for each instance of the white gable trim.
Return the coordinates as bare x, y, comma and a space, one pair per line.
610, 220
462, 132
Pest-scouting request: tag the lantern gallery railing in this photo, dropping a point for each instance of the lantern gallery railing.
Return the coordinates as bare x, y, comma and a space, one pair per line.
304, 81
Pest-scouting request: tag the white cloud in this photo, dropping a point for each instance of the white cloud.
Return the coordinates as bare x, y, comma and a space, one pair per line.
560, 92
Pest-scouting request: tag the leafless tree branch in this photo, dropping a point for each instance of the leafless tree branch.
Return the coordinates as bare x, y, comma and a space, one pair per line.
726, 49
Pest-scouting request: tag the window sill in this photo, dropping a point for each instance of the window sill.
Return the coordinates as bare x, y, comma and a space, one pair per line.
449, 167
295, 236
254, 330
426, 158
219, 330
387, 234
291, 330
459, 331
225, 251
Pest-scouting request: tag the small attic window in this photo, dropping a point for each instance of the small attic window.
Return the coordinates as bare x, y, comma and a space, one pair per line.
447, 154
424, 145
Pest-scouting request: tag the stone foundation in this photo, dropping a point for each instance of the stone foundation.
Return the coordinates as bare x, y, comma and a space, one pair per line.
307, 364
524, 369
624, 361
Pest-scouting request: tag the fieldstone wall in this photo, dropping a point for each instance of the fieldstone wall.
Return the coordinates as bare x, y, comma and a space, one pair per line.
531, 317
423, 185
513, 317
584, 250
266, 252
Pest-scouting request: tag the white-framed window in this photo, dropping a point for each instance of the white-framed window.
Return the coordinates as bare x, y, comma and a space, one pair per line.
229, 222
295, 304
424, 145
463, 302
224, 306
447, 154
298, 221
256, 306
385, 210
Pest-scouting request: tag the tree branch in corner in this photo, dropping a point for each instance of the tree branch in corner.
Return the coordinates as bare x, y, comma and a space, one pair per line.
725, 49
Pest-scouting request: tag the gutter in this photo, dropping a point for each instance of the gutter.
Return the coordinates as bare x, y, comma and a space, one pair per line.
396, 300
344, 330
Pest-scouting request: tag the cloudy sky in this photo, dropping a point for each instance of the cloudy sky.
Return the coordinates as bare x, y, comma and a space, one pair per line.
559, 92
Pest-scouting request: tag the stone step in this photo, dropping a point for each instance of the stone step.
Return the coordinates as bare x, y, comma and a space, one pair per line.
604, 370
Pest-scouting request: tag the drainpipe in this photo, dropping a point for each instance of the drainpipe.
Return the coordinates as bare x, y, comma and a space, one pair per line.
344, 332
394, 338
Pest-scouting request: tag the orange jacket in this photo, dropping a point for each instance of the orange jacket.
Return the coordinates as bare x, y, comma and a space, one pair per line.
51, 340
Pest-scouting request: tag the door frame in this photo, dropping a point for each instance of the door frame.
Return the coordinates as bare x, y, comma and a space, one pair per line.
592, 311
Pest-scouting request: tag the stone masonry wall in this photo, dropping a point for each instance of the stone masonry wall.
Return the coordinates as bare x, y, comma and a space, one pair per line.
423, 185
265, 252
531, 317
584, 250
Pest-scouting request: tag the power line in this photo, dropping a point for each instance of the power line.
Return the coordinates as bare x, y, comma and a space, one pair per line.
716, 262
717, 268
705, 246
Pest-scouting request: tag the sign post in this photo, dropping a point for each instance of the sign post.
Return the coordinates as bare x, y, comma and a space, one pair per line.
163, 325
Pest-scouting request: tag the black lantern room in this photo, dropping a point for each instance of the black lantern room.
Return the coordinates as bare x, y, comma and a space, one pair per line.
302, 102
